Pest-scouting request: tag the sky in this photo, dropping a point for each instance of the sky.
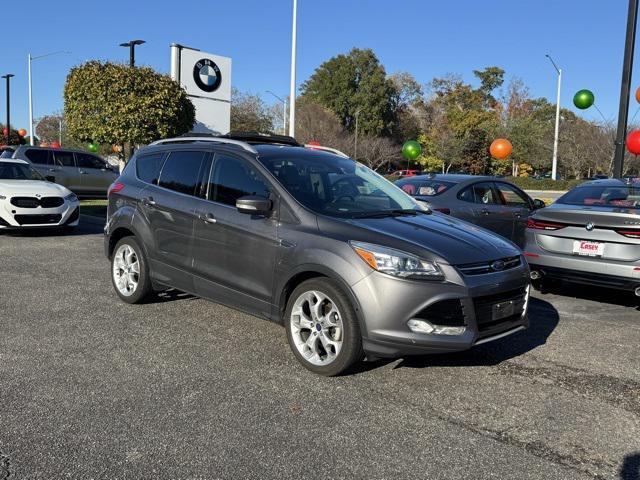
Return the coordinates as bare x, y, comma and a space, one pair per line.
426, 38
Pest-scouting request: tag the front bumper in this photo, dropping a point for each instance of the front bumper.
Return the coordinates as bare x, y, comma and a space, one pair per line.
388, 303
12, 217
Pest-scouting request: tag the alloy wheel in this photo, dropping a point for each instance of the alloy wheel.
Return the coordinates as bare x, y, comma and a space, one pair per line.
126, 270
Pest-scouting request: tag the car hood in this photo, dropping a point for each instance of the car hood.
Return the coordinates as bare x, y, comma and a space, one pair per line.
582, 214
455, 241
31, 187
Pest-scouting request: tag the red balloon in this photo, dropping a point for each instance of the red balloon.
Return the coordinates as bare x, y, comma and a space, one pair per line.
22, 132
633, 142
54, 145
500, 148
5, 131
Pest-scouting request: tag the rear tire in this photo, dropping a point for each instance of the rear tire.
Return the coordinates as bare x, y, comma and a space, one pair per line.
322, 327
129, 271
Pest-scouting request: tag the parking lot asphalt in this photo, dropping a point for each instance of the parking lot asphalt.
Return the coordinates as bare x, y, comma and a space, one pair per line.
182, 388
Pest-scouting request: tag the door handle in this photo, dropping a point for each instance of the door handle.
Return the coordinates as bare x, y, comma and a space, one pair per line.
518, 215
484, 211
148, 202
82, 172
207, 218
53, 170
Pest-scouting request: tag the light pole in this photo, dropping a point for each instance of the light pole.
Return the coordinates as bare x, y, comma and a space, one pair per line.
554, 166
132, 63
292, 90
284, 112
31, 59
8, 78
132, 50
355, 154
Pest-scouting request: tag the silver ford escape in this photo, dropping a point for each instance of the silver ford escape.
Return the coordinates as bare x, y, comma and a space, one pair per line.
348, 262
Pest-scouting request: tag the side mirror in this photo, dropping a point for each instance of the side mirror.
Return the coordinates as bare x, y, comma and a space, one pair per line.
50, 178
253, 205
537, 204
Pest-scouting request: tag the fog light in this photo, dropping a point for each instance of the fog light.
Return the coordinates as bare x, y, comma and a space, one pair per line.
422, 326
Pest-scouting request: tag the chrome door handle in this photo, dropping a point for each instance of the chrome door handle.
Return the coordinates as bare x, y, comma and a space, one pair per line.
207, 218
53, 170
82, 172
518, 215
484, 211
148, 202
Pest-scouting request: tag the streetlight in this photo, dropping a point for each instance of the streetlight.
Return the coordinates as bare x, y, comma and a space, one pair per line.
284, 112
8, 78
292, 91
132, 50
31, 59
355, 153
554, 166
132, 63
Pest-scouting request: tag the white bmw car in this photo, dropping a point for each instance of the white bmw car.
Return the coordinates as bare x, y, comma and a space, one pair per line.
27, 200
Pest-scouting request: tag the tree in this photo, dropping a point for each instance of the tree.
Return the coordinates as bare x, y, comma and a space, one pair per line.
48, 128
14, 136
250, 113
355, 82
112, 104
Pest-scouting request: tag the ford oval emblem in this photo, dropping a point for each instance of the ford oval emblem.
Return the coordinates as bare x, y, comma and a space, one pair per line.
497, 265
590, 226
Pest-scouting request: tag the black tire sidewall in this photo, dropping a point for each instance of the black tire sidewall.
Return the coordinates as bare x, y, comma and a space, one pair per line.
144, 283
351, 350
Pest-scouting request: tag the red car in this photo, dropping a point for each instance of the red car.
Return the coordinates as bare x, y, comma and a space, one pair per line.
405, 173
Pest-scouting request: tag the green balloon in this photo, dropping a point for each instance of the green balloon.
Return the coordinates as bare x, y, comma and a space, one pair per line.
93, 147
583, 99
411, 150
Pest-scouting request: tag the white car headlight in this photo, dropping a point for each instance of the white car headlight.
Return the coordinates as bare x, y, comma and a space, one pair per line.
72, 197
397, 263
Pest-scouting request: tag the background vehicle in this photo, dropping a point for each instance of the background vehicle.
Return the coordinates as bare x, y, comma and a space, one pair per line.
348, 262
488, 202
27, 200
589, 235
83, 173
405, 173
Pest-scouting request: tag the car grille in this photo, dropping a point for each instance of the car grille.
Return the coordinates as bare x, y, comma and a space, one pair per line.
481, 268
487, 326
38, 219
34, 202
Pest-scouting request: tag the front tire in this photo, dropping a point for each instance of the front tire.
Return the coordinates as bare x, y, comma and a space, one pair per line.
129, 271
322, 327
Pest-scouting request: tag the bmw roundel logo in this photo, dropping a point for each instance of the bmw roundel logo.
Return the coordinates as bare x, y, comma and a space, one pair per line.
497, 265
207, 75
590, 226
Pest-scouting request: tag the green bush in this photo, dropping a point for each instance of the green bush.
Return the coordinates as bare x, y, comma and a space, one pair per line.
528, 183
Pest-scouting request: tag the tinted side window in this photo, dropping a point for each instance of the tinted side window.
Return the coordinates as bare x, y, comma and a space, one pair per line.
148, 167
481, 193
89, 161
181, 172
64, 159
232, 178
41, 157
511, 197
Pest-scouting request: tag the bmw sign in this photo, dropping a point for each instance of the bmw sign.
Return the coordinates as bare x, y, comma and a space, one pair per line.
207, 75
590, 226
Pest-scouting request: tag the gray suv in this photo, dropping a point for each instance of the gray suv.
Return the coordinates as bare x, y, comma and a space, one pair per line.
83, 173
348, 262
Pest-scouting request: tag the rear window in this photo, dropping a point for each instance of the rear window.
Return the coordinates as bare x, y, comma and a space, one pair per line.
424, 188
603, 196
148, 167
40, 157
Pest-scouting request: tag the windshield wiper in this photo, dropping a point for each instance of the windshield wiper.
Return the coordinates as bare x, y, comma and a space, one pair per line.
391, 213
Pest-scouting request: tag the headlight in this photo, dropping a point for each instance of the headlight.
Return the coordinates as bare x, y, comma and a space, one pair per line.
397, 263
71, 197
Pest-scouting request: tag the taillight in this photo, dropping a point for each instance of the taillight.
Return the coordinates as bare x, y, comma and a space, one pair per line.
115, 188
629, 233
540, 225
446, 211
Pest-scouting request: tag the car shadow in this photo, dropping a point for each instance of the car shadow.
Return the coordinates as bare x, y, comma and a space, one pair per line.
82, 229
170, 295
543, 319
630, 468
596, 294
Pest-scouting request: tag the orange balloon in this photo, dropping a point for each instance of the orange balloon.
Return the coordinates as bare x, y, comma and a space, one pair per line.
500, 148
22, 132
638, 95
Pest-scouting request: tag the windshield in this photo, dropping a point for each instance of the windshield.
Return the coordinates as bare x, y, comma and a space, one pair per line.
18, 171
424, 188
339, 187
603, 196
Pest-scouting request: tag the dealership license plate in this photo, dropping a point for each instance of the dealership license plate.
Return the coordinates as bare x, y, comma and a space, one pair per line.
590, 249
503, 310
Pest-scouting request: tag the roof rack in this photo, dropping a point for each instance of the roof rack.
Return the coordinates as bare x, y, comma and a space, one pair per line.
205, 137
260, 137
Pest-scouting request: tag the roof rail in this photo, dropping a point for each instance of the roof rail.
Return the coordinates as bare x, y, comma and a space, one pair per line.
326, 149
260, 137
203, 138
